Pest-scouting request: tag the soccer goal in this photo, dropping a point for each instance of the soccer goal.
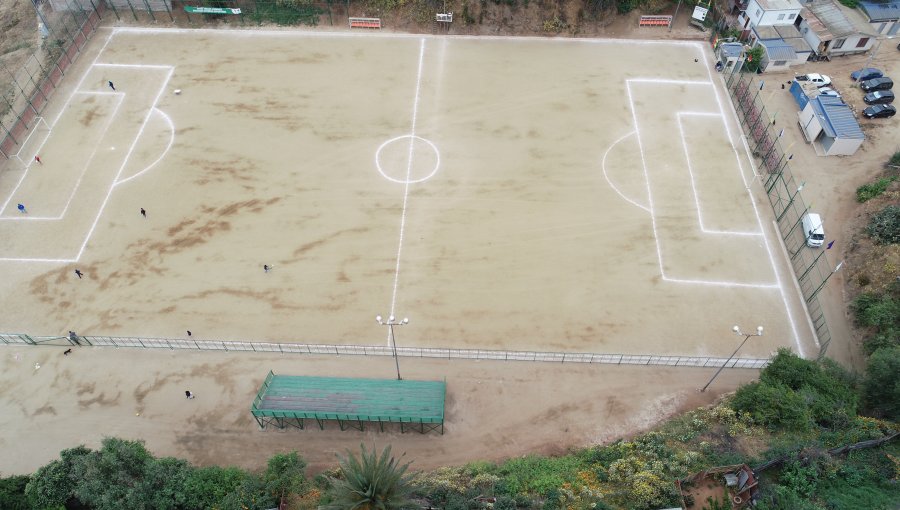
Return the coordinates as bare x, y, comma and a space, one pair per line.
30, 148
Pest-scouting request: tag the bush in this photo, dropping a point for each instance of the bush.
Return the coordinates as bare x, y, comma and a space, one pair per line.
772, 405
869, 191
895, 159
625, 6
882, 313
882, 384
884, 227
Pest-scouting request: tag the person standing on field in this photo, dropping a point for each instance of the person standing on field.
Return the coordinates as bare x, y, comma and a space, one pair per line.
112, 86
143, 212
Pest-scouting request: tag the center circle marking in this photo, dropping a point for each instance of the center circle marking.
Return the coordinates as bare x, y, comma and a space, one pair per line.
437, 159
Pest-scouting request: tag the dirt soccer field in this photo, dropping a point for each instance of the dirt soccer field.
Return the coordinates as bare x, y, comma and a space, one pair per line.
550, 195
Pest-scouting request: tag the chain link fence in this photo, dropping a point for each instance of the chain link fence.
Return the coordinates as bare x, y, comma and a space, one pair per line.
237, 12
376, 350
811, 266
65, 27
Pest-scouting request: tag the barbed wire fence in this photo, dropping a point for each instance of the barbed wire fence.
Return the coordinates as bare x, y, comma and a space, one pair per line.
376, 350
811, 266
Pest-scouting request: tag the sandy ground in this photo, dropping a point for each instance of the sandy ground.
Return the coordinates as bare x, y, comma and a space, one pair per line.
517, 231
139, 394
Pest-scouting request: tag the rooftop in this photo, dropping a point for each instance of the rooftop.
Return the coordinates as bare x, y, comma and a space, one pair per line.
833, 20
881, 11
838, 120
779, 50
779, 5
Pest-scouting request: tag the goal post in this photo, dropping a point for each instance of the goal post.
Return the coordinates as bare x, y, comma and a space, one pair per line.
26, 153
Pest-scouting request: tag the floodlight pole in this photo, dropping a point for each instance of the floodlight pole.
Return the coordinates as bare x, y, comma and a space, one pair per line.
737, 331
390, 323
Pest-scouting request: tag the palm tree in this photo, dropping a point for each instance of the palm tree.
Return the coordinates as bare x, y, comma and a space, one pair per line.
370, 482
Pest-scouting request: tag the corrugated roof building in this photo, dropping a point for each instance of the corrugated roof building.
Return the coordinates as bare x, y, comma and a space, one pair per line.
829, 124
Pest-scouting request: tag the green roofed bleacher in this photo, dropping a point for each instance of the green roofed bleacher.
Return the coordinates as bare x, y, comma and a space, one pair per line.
288, 400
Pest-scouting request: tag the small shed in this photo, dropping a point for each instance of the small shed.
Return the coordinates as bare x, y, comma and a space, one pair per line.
829, 124
730, 54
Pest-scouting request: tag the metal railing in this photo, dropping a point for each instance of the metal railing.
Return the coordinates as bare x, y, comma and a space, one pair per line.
381, 350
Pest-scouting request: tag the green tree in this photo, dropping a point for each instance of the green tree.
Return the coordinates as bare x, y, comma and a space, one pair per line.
207, 487
754, 58
370, 482
772, 405
882, 384
53, 485
12, 493
285, 475
113, 477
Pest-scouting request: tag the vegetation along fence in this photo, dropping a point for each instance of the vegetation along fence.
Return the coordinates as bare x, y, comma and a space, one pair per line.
27, 82
812, 267
376, 350
240, 12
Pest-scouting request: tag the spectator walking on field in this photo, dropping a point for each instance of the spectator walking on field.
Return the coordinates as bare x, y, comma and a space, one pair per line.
78, 273
38, 159
112, 86
22, 209
143, 212
188, 394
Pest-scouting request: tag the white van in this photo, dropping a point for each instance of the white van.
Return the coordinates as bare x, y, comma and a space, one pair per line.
813, 230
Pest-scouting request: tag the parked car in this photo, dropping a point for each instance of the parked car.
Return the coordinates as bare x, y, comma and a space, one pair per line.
868, 73
880, 110
820, 80
883, 83
879, 97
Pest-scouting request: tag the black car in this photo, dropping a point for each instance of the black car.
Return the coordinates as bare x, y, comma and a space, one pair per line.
879, 97
884, 83
879, 110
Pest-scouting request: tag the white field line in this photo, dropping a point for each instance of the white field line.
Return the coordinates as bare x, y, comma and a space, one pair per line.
254, 32
415, 112
83, 77
690, 167
87, 164
778, 278
137, 138
606, 176
138, 66
662, 271
161, 156
25, 142
63, 109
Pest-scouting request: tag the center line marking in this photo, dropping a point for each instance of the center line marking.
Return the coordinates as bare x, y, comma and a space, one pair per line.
409, 161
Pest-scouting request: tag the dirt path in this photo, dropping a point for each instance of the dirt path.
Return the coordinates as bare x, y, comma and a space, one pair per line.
139, 394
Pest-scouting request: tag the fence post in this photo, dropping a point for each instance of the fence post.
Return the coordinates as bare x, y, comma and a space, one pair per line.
149, 10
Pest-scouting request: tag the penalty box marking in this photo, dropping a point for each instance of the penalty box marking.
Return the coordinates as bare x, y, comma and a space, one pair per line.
118, 176
652, 206
95, 136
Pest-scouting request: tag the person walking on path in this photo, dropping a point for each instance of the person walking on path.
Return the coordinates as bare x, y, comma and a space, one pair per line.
188, 394
22, 209
78, 273
112, 86
38, 159
143, 212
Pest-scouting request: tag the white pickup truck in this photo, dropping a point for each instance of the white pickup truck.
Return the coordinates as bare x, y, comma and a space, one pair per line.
819, 80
